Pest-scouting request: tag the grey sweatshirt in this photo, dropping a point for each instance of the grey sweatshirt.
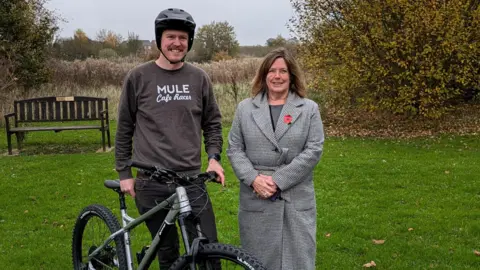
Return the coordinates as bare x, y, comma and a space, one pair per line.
165, 112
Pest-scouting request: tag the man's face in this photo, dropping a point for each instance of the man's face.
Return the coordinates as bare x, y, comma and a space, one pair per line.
174, 44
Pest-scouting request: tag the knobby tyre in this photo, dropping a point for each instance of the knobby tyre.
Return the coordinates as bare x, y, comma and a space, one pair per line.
94, 225
211, 255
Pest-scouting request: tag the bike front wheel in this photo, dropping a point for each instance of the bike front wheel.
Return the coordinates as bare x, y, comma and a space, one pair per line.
219, 256
93, 226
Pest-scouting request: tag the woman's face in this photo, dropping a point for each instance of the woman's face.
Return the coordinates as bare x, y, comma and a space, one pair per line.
278, 77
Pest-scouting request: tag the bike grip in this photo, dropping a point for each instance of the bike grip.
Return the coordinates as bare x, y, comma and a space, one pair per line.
141, 165
212, 175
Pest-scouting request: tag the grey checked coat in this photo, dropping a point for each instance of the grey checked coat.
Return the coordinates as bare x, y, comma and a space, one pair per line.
282, 233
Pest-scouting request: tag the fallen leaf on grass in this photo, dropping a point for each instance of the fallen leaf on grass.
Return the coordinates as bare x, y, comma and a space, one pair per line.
370, 264
410, 229
447, 172
327, 235
378, 242
26, 211
476, 252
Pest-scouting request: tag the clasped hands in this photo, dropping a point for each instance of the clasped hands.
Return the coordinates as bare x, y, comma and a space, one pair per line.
264, 186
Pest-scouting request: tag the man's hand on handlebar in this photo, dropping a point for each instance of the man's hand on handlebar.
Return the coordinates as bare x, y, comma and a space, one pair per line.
214, 166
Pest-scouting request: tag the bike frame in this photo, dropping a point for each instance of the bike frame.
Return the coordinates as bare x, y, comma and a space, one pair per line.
180, 210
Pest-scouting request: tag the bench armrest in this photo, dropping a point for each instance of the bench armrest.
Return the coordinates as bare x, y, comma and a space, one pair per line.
104, 116
7, 123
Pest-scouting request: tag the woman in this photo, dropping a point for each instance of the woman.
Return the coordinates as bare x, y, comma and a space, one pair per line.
275, 142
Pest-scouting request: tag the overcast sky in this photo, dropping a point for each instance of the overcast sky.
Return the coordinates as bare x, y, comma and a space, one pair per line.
254, 20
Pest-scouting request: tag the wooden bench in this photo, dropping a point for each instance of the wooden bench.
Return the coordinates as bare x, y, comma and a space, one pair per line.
57, 109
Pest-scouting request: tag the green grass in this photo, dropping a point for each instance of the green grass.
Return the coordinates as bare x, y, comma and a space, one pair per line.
366, 189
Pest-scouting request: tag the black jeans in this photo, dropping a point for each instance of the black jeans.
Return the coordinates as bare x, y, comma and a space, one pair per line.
149, 192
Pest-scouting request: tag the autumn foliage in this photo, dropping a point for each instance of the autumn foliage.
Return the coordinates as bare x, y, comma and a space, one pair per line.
408, 57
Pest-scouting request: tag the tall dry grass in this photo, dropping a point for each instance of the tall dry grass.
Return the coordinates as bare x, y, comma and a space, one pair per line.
231, 71
101, 72
104, 78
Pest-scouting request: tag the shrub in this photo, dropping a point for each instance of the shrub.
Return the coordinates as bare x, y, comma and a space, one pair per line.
107, 53
411, 57
26, 32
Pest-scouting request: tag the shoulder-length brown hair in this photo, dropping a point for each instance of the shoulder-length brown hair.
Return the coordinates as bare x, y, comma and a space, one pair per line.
297, 83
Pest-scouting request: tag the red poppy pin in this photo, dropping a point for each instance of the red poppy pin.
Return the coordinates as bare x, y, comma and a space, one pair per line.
287, 119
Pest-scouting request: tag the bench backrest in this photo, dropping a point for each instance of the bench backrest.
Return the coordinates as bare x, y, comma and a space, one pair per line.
50, 109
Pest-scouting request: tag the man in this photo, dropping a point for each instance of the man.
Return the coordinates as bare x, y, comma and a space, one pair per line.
164, 107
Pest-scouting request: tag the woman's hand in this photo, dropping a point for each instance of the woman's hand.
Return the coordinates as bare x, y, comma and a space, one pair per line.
264, 186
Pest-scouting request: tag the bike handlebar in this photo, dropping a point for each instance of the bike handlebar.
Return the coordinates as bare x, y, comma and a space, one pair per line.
159, 174
141, 165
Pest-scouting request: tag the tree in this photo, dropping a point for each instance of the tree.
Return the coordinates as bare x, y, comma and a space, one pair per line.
26, 35
214, 38
411, 57
80, 35
109, 38
83, 47
279, 41
79, 47
7, 76
132, 45
101, 35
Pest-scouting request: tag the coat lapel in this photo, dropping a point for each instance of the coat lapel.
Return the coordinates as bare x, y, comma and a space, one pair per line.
291, 108
261, 116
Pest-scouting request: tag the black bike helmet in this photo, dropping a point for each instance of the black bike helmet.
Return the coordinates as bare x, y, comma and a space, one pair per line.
174, 19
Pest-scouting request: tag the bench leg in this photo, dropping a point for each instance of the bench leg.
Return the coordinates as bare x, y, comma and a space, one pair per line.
20, 137
103, 140
9, 142
108, 138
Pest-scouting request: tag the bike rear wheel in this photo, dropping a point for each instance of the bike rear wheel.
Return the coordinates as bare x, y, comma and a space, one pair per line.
93, 226
210, 256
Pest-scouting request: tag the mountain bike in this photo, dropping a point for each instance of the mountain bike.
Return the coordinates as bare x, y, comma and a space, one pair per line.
109, 245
